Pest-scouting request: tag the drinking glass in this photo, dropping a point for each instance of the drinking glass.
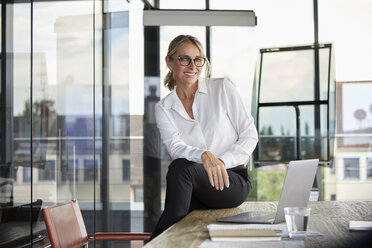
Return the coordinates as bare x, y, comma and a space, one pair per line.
297, 219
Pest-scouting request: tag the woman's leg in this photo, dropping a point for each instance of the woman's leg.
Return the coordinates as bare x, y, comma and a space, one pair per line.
188, 188
227, 198
177, 196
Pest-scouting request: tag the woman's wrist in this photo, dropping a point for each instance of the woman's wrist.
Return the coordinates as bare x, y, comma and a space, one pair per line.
205, 155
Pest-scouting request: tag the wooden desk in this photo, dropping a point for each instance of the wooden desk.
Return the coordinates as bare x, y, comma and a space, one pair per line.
328, 217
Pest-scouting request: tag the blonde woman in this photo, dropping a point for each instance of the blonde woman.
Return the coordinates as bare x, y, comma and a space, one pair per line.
207, 132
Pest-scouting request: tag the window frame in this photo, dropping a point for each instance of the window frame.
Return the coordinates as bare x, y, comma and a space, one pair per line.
257, 104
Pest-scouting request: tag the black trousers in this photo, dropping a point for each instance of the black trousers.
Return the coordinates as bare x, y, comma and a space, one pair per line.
188, 188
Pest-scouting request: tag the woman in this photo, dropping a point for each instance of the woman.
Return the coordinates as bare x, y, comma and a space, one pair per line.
207, 132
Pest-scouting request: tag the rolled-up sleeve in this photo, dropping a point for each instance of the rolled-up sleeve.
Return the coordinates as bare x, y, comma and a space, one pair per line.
239, 152
171, 137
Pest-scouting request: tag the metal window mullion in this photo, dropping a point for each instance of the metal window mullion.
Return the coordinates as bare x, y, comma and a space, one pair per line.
208, 35
328, 97
31, 112
6, 91
279, 104
298, 132
106, 113
257, 150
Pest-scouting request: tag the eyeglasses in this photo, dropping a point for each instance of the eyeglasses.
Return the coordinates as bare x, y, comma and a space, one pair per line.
185, 61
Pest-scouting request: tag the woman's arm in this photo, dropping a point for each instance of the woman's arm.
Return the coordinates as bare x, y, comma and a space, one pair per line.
243, 123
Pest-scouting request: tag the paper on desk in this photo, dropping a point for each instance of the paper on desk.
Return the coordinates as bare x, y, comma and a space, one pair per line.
267, 244
281, 229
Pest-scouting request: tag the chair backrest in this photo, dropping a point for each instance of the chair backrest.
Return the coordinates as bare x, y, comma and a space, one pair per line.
65, 225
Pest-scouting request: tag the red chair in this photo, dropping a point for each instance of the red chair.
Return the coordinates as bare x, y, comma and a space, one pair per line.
66, 228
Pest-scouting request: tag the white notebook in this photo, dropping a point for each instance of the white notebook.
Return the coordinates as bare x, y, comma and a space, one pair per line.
243, 235
280, 229
360, 225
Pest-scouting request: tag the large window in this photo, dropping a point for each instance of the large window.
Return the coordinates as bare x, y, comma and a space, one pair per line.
337, 23
293, 104
68, 95
234, 50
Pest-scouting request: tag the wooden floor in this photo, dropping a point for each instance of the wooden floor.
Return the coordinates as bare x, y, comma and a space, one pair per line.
328, 217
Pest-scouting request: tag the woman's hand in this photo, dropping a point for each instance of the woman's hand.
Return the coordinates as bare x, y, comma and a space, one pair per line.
216, 170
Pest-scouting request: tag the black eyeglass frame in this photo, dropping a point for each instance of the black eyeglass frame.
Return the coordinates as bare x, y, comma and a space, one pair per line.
189, 60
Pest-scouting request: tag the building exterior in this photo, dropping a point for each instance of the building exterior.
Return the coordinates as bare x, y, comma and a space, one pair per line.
351, 177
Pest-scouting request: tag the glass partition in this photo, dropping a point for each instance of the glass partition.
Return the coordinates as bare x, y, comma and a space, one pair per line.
16, 166
70, 116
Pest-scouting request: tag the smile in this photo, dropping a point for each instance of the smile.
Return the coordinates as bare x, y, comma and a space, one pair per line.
190, 73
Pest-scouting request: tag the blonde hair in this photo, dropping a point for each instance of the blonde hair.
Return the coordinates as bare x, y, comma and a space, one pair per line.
175, 44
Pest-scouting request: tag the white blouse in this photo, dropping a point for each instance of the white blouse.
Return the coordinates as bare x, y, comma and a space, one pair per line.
221, 124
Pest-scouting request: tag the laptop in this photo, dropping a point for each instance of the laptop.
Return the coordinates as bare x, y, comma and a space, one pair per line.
296, 191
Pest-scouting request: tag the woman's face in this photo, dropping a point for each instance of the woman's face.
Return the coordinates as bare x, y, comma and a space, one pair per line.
186, 75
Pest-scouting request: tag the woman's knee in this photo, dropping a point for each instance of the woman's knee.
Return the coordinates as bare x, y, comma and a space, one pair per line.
177, 166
